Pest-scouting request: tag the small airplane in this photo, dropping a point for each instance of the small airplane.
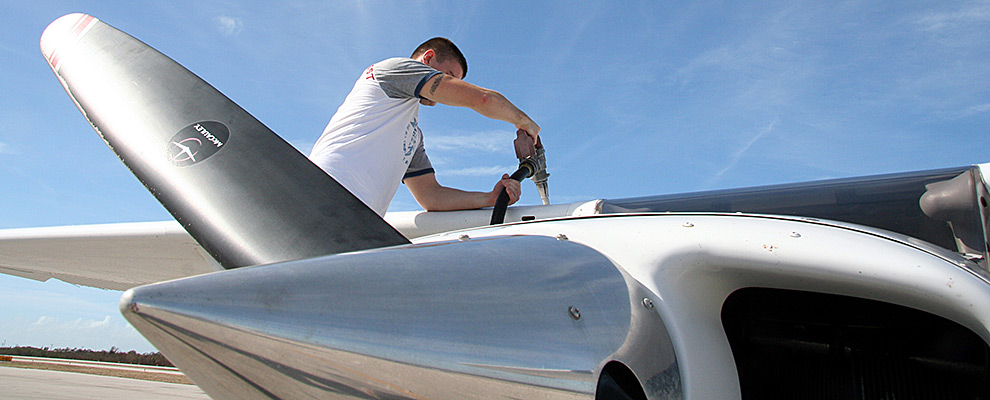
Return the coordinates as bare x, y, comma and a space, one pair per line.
276, 282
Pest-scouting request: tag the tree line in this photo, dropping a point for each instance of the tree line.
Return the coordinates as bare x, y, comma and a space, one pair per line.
113, 355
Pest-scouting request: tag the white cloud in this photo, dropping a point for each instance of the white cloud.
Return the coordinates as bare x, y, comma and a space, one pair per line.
964, 112
742, 151
78, 333
78, 325
304, 146
403, 205
229, 26
974, 13
493, 141
977, 109
5, 148
479, 171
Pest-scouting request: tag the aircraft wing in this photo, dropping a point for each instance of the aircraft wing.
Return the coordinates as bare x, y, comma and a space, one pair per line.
124, 255
109, 256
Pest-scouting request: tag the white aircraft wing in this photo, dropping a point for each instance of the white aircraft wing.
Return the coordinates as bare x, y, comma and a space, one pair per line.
125, 255
109, 256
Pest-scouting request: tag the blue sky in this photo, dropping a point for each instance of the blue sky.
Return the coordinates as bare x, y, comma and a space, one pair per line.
644, 98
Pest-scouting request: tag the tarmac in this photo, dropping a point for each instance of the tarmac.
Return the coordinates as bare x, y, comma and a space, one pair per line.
22, 383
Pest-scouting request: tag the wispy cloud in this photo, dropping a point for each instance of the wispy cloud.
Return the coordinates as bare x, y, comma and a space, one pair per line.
972, 13
967, 112
977, 109
6, 149
482, 141
480, 171
229, 26
75, 325
80, 332
304, 146
472, 154
404, 204
742, 151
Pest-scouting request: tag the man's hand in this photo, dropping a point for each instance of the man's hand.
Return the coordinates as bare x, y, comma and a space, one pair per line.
531, 129
512, 188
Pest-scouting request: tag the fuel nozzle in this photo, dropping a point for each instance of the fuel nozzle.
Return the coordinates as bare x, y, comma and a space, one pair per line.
532, 164
533, 158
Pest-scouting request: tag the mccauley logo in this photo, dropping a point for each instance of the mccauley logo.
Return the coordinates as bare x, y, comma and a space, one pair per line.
197, 142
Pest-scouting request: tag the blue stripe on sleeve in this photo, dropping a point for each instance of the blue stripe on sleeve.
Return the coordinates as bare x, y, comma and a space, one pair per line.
418, 173
423, 82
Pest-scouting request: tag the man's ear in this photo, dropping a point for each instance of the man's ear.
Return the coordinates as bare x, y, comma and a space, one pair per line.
428, 56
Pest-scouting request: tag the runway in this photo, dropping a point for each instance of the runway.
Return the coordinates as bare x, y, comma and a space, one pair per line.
32, 384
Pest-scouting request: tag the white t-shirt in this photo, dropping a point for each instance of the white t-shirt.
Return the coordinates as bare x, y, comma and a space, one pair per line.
373, 141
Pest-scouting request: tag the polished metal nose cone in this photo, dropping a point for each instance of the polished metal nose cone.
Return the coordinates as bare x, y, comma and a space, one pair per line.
393, 323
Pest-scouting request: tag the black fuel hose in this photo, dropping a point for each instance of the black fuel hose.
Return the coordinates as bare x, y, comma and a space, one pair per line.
502, 202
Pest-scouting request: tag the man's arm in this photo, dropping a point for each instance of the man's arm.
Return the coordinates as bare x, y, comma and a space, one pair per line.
433, 196
451, 91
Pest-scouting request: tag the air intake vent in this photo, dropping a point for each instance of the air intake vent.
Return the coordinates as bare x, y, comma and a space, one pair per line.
800, 345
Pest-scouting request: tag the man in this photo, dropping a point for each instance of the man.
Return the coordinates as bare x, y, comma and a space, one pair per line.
373, 142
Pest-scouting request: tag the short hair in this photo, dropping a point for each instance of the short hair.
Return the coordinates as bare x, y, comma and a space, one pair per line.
444, 49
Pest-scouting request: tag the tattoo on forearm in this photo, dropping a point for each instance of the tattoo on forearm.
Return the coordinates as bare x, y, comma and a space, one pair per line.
433, 89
